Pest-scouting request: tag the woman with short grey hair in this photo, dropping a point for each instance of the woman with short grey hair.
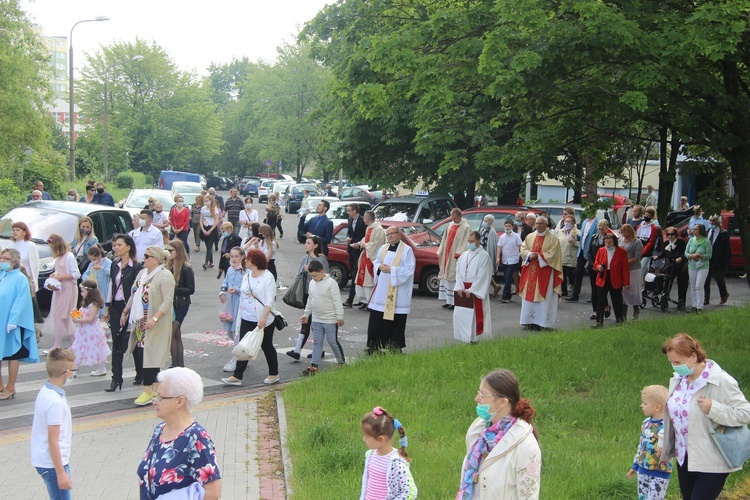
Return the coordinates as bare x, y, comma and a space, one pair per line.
179, 443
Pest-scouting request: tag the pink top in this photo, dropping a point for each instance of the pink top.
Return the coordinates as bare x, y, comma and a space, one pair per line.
377, 476
678, 406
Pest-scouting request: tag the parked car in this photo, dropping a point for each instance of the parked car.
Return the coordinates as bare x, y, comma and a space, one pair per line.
137, 199
188, 190
294, 195
422, 240
169, 177
475, 215
361, 193
310, 208
423, 209
618, 201
219, 183
729, 223
270, 186
61, 217
249, 186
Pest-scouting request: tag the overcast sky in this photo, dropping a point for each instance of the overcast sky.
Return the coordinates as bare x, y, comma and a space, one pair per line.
194, 33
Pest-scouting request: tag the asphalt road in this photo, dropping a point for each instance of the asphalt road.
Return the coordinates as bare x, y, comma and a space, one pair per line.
207, 349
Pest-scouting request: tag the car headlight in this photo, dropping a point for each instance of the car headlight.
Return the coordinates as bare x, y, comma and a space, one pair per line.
46, 265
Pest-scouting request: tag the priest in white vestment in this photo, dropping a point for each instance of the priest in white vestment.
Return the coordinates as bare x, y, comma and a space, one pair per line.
452, 245
370, 244
390, 303
541, 277
473, 278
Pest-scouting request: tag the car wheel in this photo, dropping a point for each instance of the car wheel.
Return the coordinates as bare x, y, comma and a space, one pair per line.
430, 282
338, 272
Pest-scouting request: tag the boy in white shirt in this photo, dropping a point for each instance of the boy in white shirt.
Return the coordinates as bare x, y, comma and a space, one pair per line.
327, 310
51, 431
508, 255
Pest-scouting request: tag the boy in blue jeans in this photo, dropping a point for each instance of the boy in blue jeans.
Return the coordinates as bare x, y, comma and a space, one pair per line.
653, 473
51, 430
327, 311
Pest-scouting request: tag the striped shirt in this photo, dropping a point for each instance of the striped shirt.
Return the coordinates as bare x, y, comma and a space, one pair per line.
377, 476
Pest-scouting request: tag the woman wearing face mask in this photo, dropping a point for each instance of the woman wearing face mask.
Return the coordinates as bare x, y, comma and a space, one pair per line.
228, 242
72, 195
195, 221
99, 268
503, 458
179, 220
674, 254
634, 248
698, 389
612, 276
85, 237
247, 217
210, 221
568, 235
698, 253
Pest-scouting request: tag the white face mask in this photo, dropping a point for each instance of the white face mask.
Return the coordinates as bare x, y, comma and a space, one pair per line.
142, 222
71, 197
180, 204
249, 206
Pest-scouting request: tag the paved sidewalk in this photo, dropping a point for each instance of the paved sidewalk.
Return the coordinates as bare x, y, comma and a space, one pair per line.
107, 449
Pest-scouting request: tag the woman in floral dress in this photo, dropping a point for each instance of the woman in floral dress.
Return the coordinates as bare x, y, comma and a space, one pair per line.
181, 455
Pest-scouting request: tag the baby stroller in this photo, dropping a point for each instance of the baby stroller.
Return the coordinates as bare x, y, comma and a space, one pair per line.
659, 280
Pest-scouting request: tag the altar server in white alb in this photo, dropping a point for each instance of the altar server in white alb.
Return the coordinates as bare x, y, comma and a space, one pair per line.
541, 277
373, 240
452, 245
473, 278
391, 300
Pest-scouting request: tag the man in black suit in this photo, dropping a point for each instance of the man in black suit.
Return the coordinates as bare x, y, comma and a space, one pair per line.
354, 235
721, 255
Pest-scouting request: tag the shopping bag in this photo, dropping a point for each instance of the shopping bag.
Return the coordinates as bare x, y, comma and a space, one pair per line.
295, 296
249, 346
226, 315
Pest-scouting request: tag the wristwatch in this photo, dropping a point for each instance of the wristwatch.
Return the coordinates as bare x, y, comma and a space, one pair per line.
155, 319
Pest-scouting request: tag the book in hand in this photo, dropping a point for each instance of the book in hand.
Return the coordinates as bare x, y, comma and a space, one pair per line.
460, 300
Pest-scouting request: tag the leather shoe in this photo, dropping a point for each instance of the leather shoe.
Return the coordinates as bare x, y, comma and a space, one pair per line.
138, 380
572, 298
362, 306
705, 302
347, 304
724, 299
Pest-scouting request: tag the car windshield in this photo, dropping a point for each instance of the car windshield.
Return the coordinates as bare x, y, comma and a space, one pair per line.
41, 223
140, 200
254, 182
386, 210
339, 212
190, 187
421, 236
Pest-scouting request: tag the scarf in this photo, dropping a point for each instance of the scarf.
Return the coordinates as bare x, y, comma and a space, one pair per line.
136, 309
482, 447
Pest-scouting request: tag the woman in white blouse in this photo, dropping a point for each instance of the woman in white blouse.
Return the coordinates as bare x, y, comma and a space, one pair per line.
257, 296
247, 217
64, 299
27, 250
210, 221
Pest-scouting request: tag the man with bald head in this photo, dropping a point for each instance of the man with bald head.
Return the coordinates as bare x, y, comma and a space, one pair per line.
39, 186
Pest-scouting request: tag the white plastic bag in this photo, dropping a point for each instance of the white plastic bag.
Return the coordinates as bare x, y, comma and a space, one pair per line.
249, 346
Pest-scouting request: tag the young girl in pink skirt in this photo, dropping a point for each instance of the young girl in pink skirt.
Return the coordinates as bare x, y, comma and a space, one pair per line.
90, 344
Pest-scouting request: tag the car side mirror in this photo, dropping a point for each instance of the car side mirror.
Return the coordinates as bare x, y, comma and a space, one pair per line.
427, 221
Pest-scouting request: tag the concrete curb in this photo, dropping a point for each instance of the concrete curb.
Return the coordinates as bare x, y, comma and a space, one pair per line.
286, 458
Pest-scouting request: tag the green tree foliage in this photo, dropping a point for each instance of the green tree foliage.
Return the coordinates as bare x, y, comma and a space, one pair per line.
276, 110
165, 118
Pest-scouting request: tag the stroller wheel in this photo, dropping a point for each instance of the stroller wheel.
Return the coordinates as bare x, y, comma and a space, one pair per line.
664, 303
655, 301
643, 301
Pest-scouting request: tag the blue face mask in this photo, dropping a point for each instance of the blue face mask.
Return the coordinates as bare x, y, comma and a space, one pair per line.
485, 225
225, 234
519, 223
483, 412
682, 370
712, 226
472, 247
4, 266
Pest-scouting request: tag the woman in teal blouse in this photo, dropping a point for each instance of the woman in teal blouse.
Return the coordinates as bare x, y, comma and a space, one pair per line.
698, 253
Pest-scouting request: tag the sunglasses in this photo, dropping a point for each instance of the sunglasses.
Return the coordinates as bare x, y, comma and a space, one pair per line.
671, 234
147, 256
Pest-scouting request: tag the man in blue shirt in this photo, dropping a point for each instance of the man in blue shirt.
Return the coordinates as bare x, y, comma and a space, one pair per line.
321, 226
102, 197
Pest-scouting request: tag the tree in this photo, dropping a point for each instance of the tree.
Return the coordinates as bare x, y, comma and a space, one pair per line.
167, 118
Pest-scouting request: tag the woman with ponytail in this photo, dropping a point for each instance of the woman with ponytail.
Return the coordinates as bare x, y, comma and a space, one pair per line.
503, 458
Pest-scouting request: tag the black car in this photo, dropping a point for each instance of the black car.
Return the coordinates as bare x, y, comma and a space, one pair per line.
61, 217
220, 183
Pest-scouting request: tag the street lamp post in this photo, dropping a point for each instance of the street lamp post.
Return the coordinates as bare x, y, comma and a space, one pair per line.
71, 97
105, 133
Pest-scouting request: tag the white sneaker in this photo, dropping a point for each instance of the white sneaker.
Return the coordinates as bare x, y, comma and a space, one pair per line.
271, 379
231, 381
99, 373
229, 367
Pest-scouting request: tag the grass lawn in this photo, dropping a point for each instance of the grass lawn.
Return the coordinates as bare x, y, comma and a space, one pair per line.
585, 386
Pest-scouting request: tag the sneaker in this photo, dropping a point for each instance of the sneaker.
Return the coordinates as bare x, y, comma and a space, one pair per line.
309, 371
145, 398
293, 354
229, 367
504, 301
210, 265
271, 379
231, 381
322, 355
99, 373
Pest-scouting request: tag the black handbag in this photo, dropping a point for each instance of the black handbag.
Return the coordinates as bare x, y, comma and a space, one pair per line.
278, 320
295, 296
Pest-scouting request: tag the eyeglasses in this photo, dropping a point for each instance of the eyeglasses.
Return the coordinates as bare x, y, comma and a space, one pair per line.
484, 396
671, 234
147, 256
159, 397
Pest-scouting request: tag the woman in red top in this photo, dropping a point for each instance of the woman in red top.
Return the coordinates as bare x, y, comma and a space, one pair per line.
179, 219
613, 274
